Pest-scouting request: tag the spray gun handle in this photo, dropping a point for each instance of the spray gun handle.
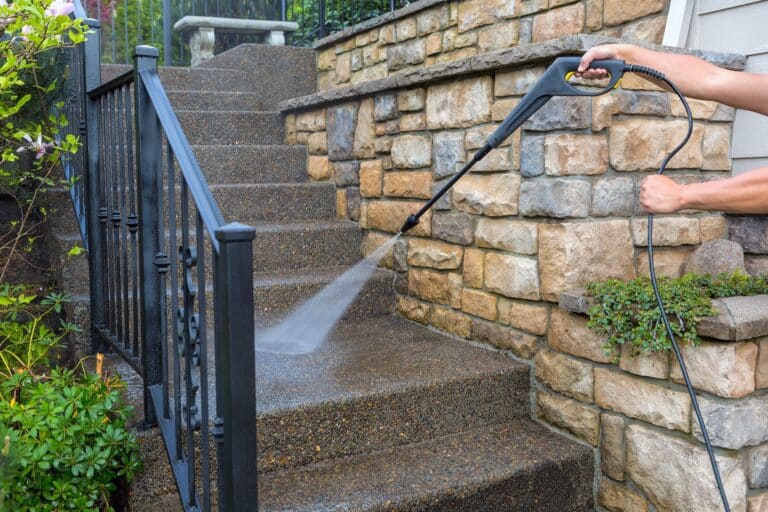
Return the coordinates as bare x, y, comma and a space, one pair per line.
554, 82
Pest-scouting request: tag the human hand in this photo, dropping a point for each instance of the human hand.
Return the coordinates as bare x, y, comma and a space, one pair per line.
660, 194
608, 51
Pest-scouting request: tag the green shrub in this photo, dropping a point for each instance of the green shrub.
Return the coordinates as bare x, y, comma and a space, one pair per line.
627, 313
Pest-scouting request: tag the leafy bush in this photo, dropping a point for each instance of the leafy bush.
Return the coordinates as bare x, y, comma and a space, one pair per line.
627, 313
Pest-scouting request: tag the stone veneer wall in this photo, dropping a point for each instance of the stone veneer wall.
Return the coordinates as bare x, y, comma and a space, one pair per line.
639, 415
432, 32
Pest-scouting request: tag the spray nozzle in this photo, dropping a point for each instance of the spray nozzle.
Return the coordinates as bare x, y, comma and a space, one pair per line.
409, 223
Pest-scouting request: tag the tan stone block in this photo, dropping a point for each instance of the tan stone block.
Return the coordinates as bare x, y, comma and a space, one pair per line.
449, 40
434, 254
667, 231
668, 262
494, 195
311, 121
476, 136
317, 144
365, 134
568, 154
565, 375
326, 81
761, 371
415, 184
369, 74
389, 216
463, 53
302, 138
612, 455
650, 30
617, 12
713, 228
290, 129
579, 419
717, 148
560, 22
473, 271
415, 122
516, 83
701, 109
635, 81
476, 13
532, 317
642, 400
371, 55
572, 254
371, 173
526, 7
411, 151
387, 34
432, 286
509, 235
432, 20
479, 303
499, 36
497, 160
642, 144
451, 321
383, 144
594, 14
434, 43
343, 68
319, 168
411, 100
372, 242
520, 344
620, 498
568, 332
363, 221
723, 369
502, 108
512, 276
459, 103
654, 364
341, 203
326, 60
758, 502
405, 29
413, 309
603, 109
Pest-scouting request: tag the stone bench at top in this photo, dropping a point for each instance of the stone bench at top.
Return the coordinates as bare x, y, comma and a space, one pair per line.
204, 29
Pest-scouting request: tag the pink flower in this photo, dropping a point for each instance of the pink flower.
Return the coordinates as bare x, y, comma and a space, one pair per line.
38, 146
27, 29
60, 8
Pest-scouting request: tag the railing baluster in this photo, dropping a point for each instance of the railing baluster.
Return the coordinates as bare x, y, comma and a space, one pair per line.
115, 217
133, 227
202, 327
122, 140
172, 245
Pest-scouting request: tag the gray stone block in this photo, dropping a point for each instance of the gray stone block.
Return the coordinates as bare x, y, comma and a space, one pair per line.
406, 54
750, 232
448, 152
734, 424
757, 466
385, 107
716, 257
340, 127
444, 203
561, 113
458, 228
353, 203
532, 155
346, 173
738, 318
613, 196
646, 103
558, 198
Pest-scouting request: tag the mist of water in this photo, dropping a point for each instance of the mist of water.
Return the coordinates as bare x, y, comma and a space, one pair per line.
305, 329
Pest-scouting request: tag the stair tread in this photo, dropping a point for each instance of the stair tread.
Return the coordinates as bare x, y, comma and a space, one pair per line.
313, 225
377, 356
495, 468
306, 276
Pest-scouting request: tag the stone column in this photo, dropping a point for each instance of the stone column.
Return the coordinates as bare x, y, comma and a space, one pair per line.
201, 44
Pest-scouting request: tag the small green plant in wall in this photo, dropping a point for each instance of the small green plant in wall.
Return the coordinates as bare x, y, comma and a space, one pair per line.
627, 313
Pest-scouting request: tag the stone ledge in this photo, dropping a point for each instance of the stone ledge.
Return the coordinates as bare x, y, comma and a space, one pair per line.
519, 55
738, 318
375, 22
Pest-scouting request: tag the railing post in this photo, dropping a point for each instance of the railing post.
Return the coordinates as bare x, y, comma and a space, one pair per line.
167, 33
92, 79
235, 369
149, 158
321, 21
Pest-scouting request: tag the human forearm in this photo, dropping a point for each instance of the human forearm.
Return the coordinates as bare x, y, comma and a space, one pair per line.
746, 193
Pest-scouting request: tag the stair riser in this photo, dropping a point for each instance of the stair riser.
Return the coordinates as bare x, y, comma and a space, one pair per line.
291, 438
195, 79
231, 127
294, 250
277, 204
252, 164
212, 101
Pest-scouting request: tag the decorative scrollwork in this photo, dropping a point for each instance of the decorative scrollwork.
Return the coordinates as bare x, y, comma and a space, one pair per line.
188, 340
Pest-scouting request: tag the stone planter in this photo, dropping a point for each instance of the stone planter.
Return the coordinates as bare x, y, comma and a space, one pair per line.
638, 416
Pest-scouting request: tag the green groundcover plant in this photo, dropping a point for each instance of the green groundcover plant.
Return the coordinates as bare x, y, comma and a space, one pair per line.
627, 313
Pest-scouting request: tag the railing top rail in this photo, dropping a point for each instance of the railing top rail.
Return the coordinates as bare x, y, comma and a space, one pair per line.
117, 82
206, 205
79, 11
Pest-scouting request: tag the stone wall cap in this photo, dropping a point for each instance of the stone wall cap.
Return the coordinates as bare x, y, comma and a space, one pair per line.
737, 318
516, 56
378, 21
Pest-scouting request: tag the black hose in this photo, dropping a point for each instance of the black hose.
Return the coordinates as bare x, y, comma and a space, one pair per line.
715, 469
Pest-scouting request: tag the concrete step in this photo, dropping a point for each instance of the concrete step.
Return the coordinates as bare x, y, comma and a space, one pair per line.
176, 78
277, 293
380, 383
275, 203
518, 466
277, 72
236, 127
219, 100
283, 247
252, 164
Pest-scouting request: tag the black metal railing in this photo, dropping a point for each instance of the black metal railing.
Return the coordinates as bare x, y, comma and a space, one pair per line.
170, 282
128, 23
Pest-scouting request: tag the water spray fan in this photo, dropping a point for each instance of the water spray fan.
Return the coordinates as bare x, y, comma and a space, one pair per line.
556, 81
